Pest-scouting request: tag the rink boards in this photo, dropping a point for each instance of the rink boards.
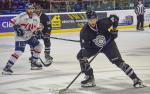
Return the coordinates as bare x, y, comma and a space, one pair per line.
74, 21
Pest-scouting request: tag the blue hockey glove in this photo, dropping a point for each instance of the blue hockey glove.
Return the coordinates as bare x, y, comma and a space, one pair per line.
18, 30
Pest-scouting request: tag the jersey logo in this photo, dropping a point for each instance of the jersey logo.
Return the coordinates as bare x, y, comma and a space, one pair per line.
29, 26
99, 41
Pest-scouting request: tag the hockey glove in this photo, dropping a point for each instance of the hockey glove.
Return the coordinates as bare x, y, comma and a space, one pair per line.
114, 33
39, 35
18, 30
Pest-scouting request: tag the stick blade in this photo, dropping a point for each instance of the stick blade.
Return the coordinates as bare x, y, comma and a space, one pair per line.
62, 91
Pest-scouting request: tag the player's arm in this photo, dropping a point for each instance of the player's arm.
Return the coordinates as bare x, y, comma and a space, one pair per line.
85, 43
46, 24
113, 31
49, 25
85, 40
38, 30
39, 26
15, 23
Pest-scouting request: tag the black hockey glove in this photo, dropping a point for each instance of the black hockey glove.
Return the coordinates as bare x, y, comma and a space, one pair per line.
114, 33
18, 30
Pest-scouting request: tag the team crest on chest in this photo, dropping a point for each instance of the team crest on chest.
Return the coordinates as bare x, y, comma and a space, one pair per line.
99, 41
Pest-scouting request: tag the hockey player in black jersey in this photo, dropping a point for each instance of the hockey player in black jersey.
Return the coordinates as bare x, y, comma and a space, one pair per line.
95, 35
44, 35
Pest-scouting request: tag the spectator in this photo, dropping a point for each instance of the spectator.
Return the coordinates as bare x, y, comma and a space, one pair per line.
77, 7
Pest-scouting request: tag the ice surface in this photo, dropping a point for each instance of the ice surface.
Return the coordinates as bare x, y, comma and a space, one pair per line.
134, 47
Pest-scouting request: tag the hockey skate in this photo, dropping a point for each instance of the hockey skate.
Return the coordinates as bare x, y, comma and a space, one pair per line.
138, 83
36, 66
49, 60
88, 82
7, 70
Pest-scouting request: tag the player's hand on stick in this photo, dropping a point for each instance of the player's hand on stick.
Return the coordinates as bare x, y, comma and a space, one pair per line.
114, 33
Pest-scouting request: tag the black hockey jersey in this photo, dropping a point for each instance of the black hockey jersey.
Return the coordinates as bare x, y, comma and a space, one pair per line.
46, 23
95, 38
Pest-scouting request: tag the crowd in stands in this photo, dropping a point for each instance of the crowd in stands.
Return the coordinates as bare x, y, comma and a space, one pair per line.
53, 6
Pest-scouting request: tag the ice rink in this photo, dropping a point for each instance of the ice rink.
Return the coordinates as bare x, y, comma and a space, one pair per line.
134, 47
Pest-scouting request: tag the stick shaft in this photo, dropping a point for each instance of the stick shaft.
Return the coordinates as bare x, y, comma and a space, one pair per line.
89, 63
42, 62
65, 39
73, 80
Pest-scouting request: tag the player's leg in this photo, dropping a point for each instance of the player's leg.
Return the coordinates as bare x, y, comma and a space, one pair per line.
113, 54
37, 48
83, 56
31, 49
33, 66
47, 43
19, 49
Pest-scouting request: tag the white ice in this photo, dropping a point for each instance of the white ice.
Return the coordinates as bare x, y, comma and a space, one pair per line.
134, 48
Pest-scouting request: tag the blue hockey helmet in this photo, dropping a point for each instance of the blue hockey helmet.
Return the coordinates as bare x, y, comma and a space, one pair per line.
29, 5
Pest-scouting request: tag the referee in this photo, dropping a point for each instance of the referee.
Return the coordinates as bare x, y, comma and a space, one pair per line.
140, 10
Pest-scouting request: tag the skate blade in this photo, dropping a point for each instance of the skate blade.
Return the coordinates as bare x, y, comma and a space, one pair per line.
6, 73
48, 63
142, 86
36, 68
88, 85
37, 65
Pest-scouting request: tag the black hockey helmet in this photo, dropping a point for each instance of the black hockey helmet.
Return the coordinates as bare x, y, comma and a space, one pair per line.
91, 14
38, 9
37, 6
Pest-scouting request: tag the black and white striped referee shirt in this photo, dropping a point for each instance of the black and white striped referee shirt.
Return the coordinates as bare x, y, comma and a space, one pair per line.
140, 9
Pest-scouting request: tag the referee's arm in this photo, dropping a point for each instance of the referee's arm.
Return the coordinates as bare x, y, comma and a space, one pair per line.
137, 10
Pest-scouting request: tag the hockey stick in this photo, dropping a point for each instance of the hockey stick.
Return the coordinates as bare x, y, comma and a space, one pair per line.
63, 90
42, 62
46, 65
65, 39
